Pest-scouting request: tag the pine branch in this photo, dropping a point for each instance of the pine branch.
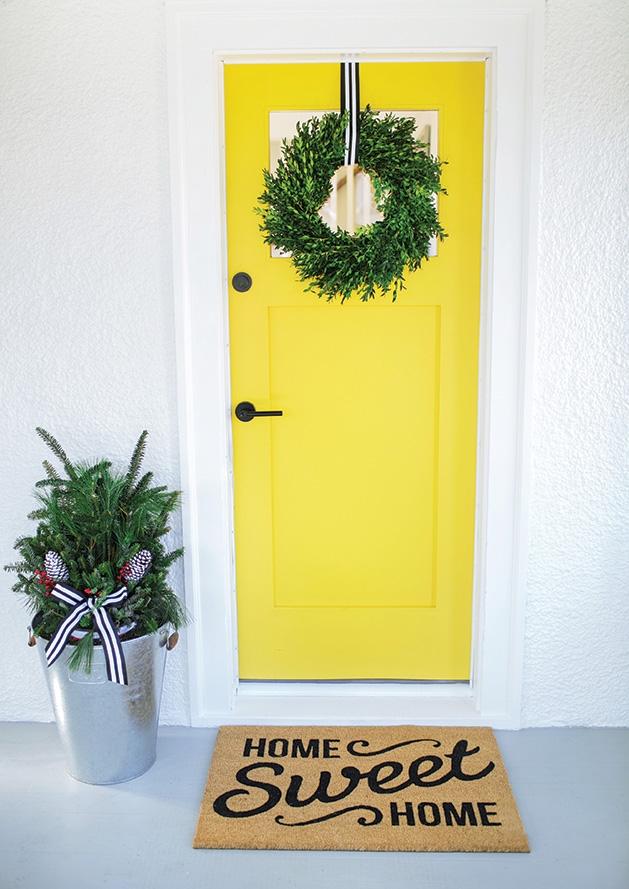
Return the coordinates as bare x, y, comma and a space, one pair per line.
17, 566
135, 464
96, 520
51, 482
57, 450
51, 471
82, 655
169, 558
172, 501
142, 485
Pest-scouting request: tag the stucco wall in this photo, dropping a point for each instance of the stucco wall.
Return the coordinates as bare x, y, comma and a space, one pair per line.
87, 324
87, 308
577, 637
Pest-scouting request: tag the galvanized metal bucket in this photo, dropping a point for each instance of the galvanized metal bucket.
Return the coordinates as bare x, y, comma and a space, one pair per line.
109, 731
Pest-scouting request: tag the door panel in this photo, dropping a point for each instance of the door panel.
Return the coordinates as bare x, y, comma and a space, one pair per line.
354, 511
357, 452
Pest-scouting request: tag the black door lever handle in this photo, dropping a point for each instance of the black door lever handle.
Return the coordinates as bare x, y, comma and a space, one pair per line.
245, 411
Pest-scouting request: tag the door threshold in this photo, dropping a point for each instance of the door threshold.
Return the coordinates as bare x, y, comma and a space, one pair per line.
323, 703
366, 688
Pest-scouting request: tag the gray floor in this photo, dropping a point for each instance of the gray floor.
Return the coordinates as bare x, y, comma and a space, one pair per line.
571, 786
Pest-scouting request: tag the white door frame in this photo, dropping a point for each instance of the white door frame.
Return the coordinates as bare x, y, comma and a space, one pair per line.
203, 33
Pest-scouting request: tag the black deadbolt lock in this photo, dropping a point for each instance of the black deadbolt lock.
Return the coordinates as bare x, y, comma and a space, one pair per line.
242, 282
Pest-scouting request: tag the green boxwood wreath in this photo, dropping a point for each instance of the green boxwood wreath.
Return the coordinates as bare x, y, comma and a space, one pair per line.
405, 179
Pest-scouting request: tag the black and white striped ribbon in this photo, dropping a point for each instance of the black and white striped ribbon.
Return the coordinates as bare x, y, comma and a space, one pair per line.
350, 101
84, 604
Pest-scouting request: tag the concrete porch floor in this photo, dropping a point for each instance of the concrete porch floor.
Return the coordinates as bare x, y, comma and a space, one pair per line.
571, 786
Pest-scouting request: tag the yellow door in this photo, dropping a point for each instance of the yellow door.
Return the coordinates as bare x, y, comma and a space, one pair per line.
354, 510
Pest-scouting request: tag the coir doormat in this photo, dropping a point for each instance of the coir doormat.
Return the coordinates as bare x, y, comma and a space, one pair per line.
401, 788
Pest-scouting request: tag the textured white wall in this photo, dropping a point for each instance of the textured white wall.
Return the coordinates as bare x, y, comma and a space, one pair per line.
87, 323
87, 308
577, 640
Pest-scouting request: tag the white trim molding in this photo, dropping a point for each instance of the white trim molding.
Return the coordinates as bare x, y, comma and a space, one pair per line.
202, 34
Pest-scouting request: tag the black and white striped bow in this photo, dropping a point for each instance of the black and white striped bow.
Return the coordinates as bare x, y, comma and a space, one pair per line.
350, 101
85, 604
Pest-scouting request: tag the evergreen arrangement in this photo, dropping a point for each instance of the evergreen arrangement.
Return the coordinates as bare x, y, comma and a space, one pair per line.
99, 529
405, 179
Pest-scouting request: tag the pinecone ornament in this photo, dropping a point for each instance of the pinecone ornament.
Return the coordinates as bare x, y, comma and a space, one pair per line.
136, 568
55, 566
